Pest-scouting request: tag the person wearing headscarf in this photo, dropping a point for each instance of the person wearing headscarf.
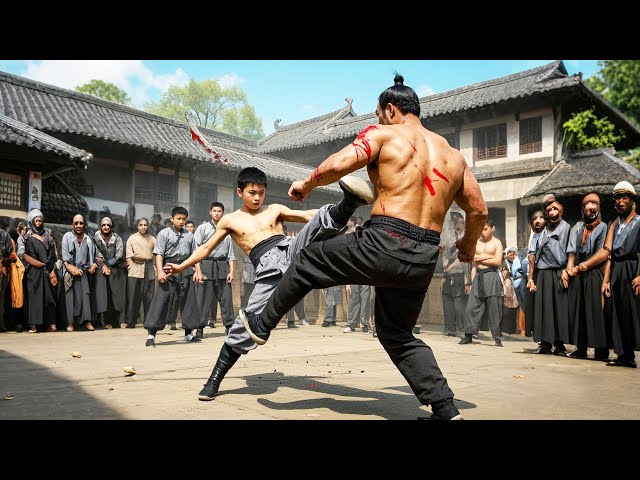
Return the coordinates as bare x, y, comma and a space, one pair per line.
622, 276
511, 277
110, 281
41, 279
537, 223
548, 281
586, 318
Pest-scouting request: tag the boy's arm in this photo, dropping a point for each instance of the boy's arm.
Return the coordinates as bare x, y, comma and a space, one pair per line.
203, 251
297, 216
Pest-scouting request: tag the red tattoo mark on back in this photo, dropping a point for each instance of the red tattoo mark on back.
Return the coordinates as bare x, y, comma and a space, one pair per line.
382, 207
440, 175
414, 148
316, 175
427, 181
365, 147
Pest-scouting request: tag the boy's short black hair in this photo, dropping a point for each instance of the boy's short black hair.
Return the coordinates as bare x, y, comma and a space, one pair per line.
490, 222
251, 175
352, 218
179, 210
190, 222
216, 204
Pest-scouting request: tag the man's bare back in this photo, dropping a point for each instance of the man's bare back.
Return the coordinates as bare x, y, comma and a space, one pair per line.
416, 175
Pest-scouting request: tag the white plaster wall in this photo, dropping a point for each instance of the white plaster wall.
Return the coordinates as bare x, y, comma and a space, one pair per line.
507, 189
225, 196
513, 137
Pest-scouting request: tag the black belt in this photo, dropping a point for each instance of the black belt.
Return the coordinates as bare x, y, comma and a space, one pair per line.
263, 247
631, 256
404, 228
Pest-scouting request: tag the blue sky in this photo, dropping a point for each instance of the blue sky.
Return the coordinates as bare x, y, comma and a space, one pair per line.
291, 90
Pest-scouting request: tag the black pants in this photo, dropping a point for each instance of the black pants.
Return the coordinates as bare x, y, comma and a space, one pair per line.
140, 291
208, 295
400, 268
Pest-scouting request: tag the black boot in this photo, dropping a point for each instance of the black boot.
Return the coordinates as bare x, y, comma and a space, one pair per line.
356, 194
445, 410
227, 359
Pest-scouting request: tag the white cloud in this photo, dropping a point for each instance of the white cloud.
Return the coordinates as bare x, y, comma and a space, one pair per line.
230, 80
424, 91
140, 83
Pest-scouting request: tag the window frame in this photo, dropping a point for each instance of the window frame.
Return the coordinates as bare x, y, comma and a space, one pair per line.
490, 152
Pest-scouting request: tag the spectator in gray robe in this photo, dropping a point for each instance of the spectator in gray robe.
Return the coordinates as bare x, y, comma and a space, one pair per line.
110, 279
78, 255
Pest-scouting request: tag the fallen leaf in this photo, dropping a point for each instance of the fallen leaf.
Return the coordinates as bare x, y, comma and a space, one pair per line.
361, 371
76, 354
112, 387
129, 370
518, 376
8, 396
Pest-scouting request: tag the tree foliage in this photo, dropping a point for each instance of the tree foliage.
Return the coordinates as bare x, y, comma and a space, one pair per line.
224, 109
618, 81
105, 90
585, 131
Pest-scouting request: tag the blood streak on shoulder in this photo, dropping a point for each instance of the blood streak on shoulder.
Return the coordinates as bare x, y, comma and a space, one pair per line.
364, 147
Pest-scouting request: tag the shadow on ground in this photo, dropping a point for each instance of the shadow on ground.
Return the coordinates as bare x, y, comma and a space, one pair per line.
391, 406
39, 394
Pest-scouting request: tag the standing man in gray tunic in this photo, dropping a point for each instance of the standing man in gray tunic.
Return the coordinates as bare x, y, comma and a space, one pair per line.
586, 317
257, 230
174, 244
110, 286
622, 275
486, 289
141, 276
218, 270
78, 255
549, 281
456, 281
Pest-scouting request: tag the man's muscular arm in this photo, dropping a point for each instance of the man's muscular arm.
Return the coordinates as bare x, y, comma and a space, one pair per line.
469, 198
364, 149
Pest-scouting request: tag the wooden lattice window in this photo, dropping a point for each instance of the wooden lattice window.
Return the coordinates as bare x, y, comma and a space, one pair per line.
11, 191
530, 135
156, 189
490, 142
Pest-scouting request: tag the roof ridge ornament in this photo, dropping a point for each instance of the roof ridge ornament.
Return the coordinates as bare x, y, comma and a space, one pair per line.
557, 71
276, 124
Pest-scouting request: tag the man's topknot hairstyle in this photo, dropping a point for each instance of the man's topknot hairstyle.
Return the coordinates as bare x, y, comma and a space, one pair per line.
251, 175
403, 97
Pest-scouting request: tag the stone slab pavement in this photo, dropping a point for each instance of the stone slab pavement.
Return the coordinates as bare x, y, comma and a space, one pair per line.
308, 373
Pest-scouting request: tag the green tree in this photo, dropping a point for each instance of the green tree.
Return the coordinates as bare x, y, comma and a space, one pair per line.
585, 131
105, 90
618, 81
224, 109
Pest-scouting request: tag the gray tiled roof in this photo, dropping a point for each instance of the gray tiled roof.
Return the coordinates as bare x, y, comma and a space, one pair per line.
58, 110
584, 172
298, 133
523, 84
513, 168
13, 131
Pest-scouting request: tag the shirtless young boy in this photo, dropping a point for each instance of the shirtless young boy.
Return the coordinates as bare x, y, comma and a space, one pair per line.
257, 230
486, 290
